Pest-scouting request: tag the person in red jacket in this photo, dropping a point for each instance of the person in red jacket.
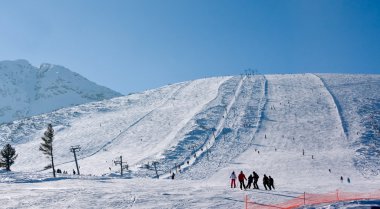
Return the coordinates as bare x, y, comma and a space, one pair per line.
241, 178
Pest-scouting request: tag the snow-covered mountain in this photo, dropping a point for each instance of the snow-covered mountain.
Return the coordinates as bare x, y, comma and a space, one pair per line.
26, 90
305, 130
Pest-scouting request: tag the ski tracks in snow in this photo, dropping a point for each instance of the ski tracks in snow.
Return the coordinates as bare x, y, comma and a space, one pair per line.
249, 98
336, 105
173, 96
209, 142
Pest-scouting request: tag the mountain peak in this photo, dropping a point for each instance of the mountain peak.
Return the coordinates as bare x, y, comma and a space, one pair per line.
22, 61
14, 64
45, 66
27, 90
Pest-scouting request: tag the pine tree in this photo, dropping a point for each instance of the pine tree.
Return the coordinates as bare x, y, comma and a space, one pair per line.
47, 146
8, 156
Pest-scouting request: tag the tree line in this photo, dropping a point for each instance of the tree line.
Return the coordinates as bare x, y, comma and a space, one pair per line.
8, 153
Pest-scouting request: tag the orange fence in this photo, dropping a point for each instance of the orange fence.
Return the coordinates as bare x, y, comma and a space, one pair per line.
313, 199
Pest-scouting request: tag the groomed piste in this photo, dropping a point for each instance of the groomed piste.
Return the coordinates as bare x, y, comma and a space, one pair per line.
305, 130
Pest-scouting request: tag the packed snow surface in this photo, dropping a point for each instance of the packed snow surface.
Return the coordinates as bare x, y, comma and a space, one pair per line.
291, 127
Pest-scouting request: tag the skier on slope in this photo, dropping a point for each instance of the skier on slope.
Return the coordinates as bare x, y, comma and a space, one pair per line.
241, 178
233, 179
173, 175
271, 182
266, 182
255, 178
250, 181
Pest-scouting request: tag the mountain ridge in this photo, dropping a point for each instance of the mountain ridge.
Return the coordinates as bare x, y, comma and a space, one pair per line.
27, 90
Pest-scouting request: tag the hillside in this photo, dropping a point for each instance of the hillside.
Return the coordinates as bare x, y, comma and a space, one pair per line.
293, 127
26, 90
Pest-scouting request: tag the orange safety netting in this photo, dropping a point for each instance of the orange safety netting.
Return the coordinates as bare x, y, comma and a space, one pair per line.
313, 199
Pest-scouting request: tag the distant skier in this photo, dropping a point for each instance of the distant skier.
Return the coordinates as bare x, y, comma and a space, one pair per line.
241, 178
255, 178
341, 179
266, 182
173, 175
348, 180
233, 179
271, 182
250, 181
73, 172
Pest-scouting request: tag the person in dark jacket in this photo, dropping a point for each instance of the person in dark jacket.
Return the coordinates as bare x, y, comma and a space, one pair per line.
271, 182
241, 178
250, 181
255, 179
266, 182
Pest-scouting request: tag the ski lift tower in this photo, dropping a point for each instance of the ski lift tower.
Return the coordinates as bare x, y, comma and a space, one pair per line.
122, 167
74, 149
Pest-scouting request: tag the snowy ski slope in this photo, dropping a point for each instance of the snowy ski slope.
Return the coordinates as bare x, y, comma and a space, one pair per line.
203, 130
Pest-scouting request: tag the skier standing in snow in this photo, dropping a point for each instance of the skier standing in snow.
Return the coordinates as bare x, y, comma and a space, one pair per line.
233, 179
250, 181
173, 175
241, 178
255, 178
266, 182
271, 182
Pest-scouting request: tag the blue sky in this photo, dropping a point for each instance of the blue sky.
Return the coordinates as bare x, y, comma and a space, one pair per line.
131, 46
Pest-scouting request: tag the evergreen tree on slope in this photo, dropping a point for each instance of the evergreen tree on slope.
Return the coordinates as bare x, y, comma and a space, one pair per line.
47, 146
8, 156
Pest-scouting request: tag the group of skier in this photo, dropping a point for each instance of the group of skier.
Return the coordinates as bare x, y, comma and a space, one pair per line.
64, 172
253, 178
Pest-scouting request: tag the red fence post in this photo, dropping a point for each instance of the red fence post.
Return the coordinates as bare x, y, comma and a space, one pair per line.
246, 201
304, 198
337, 196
